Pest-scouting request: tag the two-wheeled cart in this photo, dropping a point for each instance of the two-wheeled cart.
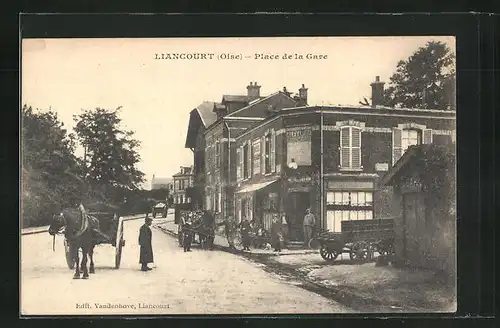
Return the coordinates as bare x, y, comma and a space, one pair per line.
111, 224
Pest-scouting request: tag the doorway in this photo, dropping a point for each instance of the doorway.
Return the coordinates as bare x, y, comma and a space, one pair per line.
298, 202
413, 220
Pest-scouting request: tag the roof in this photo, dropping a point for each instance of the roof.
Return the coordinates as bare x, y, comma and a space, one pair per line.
423, 156
205, 110
219, 106
179, 174
201, 116
234, 98
260, 107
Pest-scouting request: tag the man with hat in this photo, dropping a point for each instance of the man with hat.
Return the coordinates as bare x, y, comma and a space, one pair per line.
308, 224
146, 254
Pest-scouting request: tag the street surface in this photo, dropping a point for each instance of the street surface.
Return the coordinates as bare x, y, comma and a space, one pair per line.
197, 282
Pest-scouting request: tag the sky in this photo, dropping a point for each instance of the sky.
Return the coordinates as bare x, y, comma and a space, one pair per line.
157, 95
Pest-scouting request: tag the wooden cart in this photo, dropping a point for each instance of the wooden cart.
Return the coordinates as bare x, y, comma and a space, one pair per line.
112, 225
361, 239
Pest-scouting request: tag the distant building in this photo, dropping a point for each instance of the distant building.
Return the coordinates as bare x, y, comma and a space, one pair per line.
161, 183
183, 181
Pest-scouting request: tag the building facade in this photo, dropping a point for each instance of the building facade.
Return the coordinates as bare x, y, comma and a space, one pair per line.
233, 115
200, 119
329, 159
182, 180
278, 155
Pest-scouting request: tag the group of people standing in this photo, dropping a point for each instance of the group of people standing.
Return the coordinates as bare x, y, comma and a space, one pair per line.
279, 233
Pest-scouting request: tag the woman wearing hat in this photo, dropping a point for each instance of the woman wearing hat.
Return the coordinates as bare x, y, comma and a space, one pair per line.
145, 236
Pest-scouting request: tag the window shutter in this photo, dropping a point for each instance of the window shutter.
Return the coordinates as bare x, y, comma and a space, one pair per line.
396, 144
345, 147
262, 155
356, 148
427, 136
273, 151
242, 159
249, 159
238, 165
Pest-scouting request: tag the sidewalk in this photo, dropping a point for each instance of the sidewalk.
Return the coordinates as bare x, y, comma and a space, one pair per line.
168, 226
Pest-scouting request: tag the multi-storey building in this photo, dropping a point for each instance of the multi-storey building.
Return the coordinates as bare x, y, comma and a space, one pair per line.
329, 159
233, 115
182, 181
200, 119
276, 154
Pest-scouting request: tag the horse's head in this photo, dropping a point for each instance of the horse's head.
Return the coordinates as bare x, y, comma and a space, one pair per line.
57, 224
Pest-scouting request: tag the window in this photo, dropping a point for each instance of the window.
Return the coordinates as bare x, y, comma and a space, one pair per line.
239, 163
350, 148
406, 135
346, 206
217, 154
269, 152
410, 137
247, 165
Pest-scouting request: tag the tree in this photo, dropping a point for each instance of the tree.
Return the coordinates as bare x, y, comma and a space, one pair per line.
425, 80
50, 176
110, 155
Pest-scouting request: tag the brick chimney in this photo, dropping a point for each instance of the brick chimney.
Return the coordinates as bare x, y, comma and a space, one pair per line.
302, 96
377, 92
253, 91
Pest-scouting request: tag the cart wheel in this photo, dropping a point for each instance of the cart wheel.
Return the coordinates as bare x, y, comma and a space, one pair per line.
314, 244
328, 253
359, 251
164, 215
120, 242
70, 259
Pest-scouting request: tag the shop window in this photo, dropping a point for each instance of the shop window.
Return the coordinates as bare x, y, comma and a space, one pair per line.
347, 206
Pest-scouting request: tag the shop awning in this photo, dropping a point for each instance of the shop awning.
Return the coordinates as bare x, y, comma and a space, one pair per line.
255, 186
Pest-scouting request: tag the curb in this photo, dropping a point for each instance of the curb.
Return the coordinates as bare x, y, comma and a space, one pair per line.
341, 295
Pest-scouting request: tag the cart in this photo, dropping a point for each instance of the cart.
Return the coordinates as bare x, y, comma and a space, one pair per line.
361, 239
111, 224
202, 226
160, 208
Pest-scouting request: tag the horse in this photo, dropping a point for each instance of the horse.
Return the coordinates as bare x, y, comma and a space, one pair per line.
79, 235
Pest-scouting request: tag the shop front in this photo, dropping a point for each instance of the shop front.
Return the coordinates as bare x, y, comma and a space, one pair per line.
348, 199
299, 195
258, 202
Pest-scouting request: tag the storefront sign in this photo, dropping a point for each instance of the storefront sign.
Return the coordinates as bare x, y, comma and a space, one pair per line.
301, 179
299, 146
382, 167
350, 185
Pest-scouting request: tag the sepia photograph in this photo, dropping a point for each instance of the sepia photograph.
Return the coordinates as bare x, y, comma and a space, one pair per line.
243, 176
